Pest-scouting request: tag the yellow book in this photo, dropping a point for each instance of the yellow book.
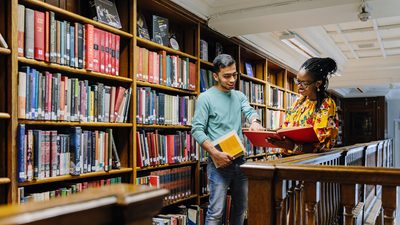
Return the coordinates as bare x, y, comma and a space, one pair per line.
229, 143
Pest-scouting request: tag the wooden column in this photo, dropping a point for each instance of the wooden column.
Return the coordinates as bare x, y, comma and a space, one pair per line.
312, 198
260, 211
280, 196
389, 204
348, 201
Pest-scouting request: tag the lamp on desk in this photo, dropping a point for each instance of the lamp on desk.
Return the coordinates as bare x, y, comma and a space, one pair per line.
299, 44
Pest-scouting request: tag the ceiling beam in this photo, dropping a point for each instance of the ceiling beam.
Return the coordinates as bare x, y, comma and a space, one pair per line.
379, 38
367, 29
346, 41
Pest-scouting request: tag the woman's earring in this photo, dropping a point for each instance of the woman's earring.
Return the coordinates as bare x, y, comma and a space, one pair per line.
318, 89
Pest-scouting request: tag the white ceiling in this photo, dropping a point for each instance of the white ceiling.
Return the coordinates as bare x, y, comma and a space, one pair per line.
368, 53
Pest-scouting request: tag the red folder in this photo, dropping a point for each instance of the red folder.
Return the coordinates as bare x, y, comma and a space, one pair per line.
296, 134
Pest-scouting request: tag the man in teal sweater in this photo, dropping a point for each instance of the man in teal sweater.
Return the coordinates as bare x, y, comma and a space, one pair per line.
218, 111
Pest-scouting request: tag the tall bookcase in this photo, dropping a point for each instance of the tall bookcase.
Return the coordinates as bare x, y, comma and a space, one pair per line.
261, 77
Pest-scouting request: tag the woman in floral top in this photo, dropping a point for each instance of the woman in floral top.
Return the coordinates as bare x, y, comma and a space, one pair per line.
313, 108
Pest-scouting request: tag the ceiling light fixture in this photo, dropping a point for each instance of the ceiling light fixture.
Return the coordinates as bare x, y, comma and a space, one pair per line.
297, 43
364, 15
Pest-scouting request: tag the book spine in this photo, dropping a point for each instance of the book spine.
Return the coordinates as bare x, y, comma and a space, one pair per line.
21, 153
29, 33
21, 30
89, 29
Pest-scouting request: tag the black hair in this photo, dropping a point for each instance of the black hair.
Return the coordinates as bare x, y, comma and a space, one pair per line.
222, 61
320, 69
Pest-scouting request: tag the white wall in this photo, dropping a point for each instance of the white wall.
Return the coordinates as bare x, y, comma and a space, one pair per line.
393, 112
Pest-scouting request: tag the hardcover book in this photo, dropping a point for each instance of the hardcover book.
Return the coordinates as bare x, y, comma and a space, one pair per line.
105, 12
160, 30
229, 143
142, 30
249, 70
296, 134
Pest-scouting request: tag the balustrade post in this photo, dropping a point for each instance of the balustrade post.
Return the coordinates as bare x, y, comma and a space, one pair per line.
280, 197
312, 198
299, 199
261, 195
348, 195
389, 198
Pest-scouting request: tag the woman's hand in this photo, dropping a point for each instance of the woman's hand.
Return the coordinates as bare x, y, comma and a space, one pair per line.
285, 143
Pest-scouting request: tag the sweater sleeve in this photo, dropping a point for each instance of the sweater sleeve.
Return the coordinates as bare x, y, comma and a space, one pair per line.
200, 119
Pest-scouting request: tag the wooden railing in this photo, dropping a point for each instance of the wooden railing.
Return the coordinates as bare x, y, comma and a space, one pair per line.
120, 204
327, 188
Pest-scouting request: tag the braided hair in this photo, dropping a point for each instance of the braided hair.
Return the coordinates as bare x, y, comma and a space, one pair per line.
320, 69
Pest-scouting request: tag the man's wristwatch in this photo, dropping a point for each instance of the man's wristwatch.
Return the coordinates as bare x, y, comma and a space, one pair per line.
256, 121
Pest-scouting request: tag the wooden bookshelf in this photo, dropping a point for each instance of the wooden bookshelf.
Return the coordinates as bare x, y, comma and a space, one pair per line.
191, 197
207, 63
70, 178
4, 180
164, 88
189, 30
253, 79
156, 126
155, 46
73, 124
71, 70
73, 16
277, 109
4, 116
258, 105
166, 166
5, 51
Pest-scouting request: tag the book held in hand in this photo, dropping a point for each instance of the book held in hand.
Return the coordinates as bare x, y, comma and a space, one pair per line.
229, 143
296, 134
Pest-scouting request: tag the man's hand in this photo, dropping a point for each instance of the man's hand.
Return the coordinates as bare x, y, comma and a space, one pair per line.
256, 126
221, 159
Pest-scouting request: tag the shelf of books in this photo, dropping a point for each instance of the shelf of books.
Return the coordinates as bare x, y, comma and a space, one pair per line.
6, 107
98, 100
74, 87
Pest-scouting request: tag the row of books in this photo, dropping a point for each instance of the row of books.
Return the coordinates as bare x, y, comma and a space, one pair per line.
290, 99
177, 180
170, 219
48, 153
205, 48
154, 149
155, 107
253, 91
206, 80
47, 96
160, 68
275, 119
261, 113
204, 187
24, 197
42, 37
276, 98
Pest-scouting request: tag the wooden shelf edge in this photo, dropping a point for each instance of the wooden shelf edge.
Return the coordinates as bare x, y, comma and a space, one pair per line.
181, 200
256, 156
292, 92
77, 17
163, 87
146, 42
5, 180
166, 166
276, 109
164, 126
206, 62
258, 104
69, 177
276, 86
4, 115
66, 123
205, 196
247, 77
5, 51
42, 64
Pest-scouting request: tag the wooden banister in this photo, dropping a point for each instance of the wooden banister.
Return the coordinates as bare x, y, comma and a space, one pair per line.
317, 188
115, 204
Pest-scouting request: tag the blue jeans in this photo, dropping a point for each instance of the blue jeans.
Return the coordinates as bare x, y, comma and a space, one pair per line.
219, 181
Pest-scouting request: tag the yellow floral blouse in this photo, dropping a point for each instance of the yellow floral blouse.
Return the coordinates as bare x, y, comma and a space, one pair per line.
325, 122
